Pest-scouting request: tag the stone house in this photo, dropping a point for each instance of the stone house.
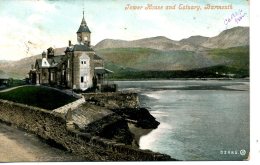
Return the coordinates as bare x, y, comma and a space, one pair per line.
4, 80
79, 67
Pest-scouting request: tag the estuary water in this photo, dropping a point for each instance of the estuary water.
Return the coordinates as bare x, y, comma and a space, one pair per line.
199, 119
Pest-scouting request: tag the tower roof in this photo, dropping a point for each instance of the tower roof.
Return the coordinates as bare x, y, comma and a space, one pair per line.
83, 26
78, 47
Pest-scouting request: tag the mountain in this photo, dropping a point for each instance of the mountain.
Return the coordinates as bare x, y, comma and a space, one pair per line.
18, 69
195, 40
160, 43
234, 37
227, 52
237, 36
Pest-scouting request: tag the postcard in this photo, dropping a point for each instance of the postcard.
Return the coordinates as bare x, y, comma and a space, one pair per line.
124, 80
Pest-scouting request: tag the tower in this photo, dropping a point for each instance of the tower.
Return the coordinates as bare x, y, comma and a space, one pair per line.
83, 34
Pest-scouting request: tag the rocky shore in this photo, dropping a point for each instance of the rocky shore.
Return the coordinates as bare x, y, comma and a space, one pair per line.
135, 121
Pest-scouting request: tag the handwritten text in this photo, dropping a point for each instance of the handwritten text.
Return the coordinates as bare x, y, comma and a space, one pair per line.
235, 17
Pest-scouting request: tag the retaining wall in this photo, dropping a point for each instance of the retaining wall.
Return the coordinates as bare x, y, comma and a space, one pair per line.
64, 109
53, 128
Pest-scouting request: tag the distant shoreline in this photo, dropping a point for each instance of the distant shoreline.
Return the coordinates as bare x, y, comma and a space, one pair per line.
231, 79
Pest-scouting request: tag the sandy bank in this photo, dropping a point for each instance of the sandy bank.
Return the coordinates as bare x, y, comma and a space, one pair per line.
19, 146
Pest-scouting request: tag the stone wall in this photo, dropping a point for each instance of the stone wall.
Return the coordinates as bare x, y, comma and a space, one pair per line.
53, 128
114, 100
64, 109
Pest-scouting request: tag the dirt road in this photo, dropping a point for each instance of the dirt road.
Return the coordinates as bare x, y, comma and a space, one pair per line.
19, 146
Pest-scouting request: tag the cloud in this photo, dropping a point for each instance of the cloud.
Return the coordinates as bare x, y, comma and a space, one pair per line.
41, 6
36, 19
30, 35
20, 39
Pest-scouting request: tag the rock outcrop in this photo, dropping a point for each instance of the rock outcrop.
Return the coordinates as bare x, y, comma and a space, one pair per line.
125, 104
141, 117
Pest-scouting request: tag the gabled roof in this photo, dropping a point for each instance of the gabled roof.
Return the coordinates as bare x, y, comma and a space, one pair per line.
53, 61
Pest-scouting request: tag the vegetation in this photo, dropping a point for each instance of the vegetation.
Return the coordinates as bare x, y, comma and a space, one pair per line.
210, 72
237, 57
12, 83
38, 96
15, 82
149, 59
143, 63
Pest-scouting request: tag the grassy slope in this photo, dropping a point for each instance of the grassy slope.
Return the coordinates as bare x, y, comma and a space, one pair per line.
38, 96
136, 63
151, 59
238, 56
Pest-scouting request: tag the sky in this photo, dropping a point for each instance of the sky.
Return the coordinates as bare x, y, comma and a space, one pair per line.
27, 27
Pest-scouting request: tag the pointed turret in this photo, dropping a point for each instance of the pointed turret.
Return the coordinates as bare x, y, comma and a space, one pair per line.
83, 26
83, 34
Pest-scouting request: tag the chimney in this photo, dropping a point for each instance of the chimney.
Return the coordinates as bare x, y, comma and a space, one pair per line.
69, 42
44, 54
50, 52
87, 43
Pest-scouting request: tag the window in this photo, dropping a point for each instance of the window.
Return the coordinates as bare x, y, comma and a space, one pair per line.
68, 77
68, 63
52, 76
82, 79
83, 62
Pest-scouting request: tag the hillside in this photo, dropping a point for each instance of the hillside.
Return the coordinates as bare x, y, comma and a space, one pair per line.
195, 40
142, 62
238, 36
18, 69
152, 59
159, 43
